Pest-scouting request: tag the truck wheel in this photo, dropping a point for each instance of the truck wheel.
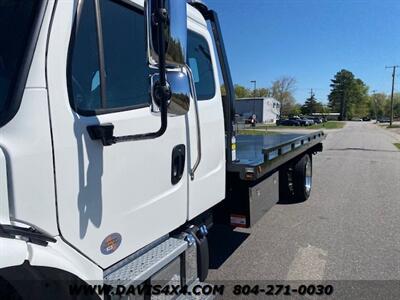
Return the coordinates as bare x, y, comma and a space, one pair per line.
302, 178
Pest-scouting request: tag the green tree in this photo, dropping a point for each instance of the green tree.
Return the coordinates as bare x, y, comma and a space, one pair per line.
380, 103
311, 106
263, 92
294, 110
325, 110
396, 105
359, 100
339, 90
242, 92
349, 95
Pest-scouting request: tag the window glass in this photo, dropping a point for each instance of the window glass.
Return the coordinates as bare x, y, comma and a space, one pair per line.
195, 69
199, 60
126, 71
125, 55
84, 77
16, 21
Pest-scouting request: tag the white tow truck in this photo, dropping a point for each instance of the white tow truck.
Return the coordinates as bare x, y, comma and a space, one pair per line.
117, 150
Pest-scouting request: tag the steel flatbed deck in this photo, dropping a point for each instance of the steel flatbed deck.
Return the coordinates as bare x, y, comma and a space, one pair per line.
258, 155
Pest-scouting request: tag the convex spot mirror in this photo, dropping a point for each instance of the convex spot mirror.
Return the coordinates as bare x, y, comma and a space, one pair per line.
179, 98
174, 15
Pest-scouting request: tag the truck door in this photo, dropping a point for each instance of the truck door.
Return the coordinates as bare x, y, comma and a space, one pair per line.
111, 200
207, 187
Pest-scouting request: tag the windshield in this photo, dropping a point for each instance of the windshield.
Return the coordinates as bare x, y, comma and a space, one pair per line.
16, 22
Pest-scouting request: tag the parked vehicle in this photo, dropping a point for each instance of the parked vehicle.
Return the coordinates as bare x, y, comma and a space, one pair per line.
383, 120
288, 122
303, 121
317, 120
309, 121
104, 181
366, 119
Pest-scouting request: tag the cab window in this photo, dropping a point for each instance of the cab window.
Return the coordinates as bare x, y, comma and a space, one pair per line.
124, 52
199, 60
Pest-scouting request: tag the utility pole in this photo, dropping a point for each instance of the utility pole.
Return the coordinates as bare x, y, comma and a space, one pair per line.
375, 105
391, 96
254, 95
255, 87
343, 106
311, 107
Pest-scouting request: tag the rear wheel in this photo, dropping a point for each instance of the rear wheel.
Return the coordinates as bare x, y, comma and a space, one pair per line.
302, 178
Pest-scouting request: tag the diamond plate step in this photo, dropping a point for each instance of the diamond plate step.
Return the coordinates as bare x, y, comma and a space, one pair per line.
138, 270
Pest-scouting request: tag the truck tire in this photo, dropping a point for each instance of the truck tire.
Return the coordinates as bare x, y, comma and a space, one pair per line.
302, 178
27, 282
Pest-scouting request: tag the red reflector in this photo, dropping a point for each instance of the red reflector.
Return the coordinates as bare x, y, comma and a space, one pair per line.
238, 220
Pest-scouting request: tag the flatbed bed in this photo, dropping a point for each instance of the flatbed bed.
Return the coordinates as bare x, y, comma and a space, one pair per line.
258, 155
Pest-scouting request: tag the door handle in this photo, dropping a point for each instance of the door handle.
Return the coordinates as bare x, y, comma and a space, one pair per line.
177, 163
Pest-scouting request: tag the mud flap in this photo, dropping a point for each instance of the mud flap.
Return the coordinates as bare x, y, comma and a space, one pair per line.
203, 258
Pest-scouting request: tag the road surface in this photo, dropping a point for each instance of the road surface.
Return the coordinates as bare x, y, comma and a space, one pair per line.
349, 229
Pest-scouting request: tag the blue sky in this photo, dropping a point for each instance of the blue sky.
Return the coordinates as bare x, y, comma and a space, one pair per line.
310, 40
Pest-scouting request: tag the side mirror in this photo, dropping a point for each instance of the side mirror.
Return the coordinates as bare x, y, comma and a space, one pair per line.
179, 100
173, 15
